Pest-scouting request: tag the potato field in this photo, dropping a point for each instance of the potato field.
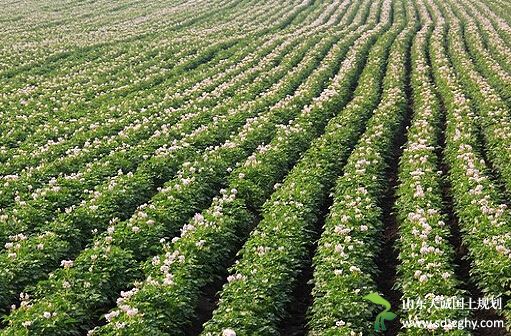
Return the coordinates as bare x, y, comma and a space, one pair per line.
255, 167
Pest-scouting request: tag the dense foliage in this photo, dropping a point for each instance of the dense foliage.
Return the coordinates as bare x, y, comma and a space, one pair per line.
292, 156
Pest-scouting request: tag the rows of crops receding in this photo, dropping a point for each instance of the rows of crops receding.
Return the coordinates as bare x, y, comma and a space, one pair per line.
255, 167
141, 184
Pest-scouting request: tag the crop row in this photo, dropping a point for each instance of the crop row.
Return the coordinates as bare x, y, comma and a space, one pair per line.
494, 116
154, 98
62, 192
277, 249
127, 137
344, 263
494, 41
483, 58
128, 157
426, 256
130, 239
484, 220
181, 282
125, 192
157, 66
203, 181
56, 95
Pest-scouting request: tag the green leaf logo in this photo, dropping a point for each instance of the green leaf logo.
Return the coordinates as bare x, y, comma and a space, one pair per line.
385, 315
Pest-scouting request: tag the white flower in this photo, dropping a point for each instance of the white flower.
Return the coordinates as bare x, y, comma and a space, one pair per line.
47, 315
120, 325
66, 263
419, 192
168, 280
111, 315
228, 332
235, 277
500, 248
132, 312
199, 218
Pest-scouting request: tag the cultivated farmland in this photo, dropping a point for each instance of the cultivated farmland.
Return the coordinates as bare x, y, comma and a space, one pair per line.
255, 167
